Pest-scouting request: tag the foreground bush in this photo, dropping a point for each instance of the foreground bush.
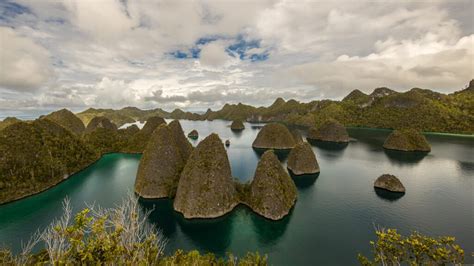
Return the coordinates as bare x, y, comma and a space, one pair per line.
392, 248
120, 235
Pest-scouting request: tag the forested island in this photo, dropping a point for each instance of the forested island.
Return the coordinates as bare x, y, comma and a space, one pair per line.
36, 155
424, 109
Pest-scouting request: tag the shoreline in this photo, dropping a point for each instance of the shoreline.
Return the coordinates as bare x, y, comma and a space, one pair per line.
65, 179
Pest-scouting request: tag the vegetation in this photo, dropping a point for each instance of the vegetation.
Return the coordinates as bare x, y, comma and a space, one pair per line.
407, 140
66, 119
121, 235
8, 121
392, 248
38, 155
274, 136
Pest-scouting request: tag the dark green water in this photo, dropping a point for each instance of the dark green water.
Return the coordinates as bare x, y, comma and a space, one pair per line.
333, 218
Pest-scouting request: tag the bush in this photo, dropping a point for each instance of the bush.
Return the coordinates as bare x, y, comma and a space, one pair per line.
120, 235
392, 248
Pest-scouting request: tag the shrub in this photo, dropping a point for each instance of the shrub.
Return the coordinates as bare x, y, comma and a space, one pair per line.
392, 248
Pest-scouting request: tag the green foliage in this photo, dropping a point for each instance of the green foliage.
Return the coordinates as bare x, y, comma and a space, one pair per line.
118, 236
196, 259
392, 248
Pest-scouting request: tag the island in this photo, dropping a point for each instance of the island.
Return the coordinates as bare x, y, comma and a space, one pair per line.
409, 140
390, 183
329, 131
302, 161
274, 136
237, 125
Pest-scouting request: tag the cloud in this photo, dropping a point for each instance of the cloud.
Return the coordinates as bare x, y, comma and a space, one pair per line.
200, 54
24, 65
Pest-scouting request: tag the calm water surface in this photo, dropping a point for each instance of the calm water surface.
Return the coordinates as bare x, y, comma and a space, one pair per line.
334, 216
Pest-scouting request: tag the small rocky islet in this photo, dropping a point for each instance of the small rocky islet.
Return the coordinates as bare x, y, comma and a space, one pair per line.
390, 183
408, 140
237, 125
193, 134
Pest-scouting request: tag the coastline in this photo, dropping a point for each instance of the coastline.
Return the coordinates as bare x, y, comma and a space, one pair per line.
64, 179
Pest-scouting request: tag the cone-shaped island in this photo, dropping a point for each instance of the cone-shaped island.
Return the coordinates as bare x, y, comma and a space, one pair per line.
206, 188
302, 161
390, 183
274, 136
237, 125
330, 131
407, 140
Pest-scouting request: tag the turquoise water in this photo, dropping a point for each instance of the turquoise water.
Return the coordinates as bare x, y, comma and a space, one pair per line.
334, 216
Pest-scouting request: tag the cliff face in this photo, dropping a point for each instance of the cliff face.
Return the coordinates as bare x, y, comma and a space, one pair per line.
160, 166
140, 139
177, 131
274, 136
272, 192
206, 188
302, 160
68, 120
407, 140
331, 131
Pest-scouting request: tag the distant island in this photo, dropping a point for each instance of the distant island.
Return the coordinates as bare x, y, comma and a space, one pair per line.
36, 155
383, 108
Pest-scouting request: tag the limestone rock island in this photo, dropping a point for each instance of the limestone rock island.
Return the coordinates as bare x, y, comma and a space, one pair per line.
68, 120
390, 183
274, 136
407, 140
206, 188
272, 192
237, 125
193, 134
331, 131
100, 122
161, 165
302, 161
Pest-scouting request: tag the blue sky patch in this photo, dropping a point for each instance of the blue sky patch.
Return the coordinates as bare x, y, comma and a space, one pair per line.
11, 10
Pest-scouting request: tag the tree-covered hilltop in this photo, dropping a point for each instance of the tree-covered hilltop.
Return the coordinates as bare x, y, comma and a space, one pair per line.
37, 155
8, 121
383, 108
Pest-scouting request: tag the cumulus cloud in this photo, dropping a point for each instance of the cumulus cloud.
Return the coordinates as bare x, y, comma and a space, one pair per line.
24, 65
200, 54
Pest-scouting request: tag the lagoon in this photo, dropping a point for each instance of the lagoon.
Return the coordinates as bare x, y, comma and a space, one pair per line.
334, 216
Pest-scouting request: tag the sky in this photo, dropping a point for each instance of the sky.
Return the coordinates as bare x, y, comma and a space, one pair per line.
202, 54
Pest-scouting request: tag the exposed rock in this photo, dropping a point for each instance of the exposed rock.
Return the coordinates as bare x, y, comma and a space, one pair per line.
381, 92
151, 124
100, 122
177, 131
206, 188
274, 136
390, 183
139, 141
272, 193
297, 136
407, 140
68, 120
160, 166
237, 125
193, 134
331, 130
302, 160
227, 143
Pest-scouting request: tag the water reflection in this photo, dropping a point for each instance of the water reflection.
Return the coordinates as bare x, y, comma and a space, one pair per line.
162, 214
213, 235
282, 154
388, 195
268, 231
327, 145
303, 181
405, 157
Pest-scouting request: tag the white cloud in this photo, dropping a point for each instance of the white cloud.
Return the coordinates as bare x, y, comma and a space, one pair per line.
24, 65
112, 53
